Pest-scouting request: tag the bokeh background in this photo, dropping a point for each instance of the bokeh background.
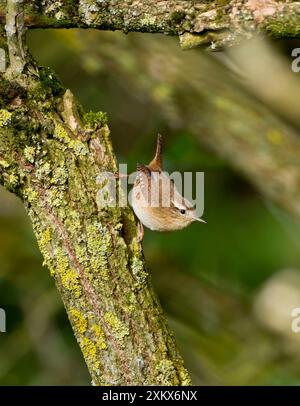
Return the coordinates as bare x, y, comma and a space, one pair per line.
227, 287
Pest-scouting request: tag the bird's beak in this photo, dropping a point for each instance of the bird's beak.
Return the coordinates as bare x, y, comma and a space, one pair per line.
200, 220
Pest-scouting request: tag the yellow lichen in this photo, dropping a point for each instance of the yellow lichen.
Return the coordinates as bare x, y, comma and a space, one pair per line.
100, 337
5, 117
274, 136
148, 20
61, 133
43, 170
73, 222
30, 194
44, 238
128, 308
184, 376
166, 373
137, 268
60, 176
76, 145
98, 241
70, 281
69, 276
119, 329
29, 154
80, 254
13, 179
56, 197
89, 351
79, 320
4, 163
188, 41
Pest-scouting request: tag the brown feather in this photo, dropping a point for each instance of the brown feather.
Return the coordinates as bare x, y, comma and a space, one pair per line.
156, 164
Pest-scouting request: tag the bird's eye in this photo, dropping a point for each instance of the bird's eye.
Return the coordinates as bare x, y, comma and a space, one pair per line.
182, 211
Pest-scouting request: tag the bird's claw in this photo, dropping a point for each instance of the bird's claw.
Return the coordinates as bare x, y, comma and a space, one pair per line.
140, 234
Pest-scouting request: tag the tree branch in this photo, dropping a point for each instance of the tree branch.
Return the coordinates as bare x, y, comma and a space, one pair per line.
215, 23
56, 159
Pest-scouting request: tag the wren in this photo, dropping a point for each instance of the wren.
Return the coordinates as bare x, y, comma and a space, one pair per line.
156, 201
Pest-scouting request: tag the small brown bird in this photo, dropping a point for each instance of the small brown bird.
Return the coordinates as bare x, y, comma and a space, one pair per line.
155, 200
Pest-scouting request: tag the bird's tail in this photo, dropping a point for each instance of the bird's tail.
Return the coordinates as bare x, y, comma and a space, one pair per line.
156, 164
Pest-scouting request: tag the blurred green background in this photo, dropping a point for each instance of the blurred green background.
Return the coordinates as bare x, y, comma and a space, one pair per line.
227, 287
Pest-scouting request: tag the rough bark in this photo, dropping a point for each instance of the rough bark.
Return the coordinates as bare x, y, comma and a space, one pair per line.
210, 23
54, 157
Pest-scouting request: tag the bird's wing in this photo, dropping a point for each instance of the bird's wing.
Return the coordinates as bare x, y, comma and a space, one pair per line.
143, 180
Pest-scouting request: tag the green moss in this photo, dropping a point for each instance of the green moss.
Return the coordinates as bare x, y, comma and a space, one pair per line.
177, 17
285, 26
49, 84
9, 90
92, 120
213, 39
120, 330
71, 8
222, 2
5, 117
188, 41
24, 125
221, 16
3, 43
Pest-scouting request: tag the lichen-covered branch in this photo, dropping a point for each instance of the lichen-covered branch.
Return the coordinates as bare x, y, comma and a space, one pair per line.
54, 157
210, 23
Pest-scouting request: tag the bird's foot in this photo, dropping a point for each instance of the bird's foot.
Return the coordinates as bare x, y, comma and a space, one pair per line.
140, 234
